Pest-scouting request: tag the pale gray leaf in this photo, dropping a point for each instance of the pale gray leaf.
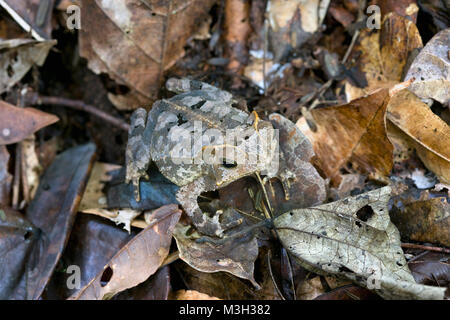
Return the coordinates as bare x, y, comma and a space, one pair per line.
18, 56
354, 238
431, 69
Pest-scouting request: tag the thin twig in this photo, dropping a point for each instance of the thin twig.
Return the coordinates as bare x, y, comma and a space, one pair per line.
350, 48
422, 247
269, 257
266, 31
80, 105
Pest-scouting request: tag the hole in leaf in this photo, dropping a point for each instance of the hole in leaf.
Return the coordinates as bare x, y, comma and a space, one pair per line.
229, 165
106, 276
365, 213
198, 105
27, 235
10, 71
180, 119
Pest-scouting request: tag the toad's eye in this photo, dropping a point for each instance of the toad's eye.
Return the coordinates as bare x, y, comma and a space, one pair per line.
228, 164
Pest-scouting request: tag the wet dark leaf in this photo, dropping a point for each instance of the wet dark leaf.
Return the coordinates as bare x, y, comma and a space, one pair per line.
155, 193
431, 268
93, 242
53, 211
17, 237
137, 260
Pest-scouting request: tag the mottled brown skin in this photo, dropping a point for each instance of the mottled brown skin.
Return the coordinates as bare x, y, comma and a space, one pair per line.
158, 137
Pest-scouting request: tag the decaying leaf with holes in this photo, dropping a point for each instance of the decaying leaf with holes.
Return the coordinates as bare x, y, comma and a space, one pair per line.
145, 38
353, 238
18, 56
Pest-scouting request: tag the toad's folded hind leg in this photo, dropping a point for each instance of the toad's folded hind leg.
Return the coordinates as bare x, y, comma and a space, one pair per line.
137, 155
210, 226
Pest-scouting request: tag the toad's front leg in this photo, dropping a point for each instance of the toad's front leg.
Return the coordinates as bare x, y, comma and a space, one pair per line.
137, 155
211, 226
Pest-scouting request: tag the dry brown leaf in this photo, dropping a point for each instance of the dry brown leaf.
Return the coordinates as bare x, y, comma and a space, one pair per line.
378, 58
404, 8
352, 133
137, 260
424, 221
18, 123
52, 211
431, 69
192, 295
236, 256
228, 287
423, 130
144, 39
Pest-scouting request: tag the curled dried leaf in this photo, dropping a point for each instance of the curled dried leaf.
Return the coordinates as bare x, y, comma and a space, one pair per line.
423, 130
